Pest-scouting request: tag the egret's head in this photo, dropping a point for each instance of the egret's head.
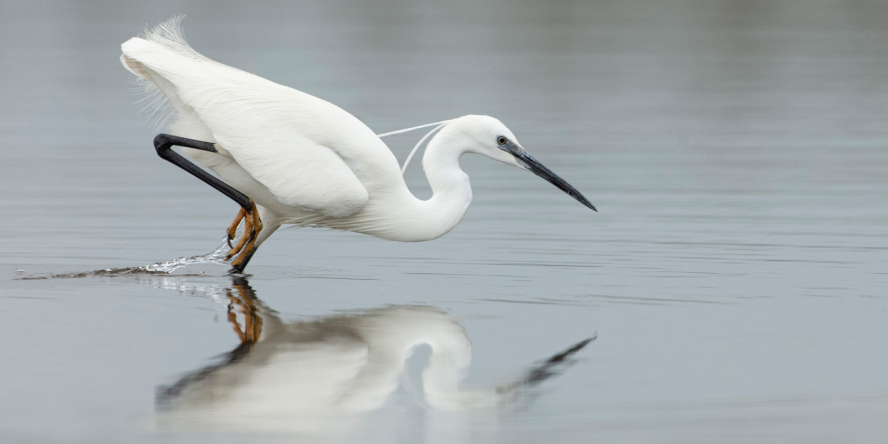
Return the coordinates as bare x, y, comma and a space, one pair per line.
492, 139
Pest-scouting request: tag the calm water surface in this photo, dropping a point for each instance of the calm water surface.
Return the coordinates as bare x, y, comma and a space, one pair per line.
735, 276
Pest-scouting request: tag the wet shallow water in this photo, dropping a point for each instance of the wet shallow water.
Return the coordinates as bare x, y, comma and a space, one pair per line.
734, 277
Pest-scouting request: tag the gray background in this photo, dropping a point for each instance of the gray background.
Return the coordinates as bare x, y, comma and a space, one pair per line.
735, 274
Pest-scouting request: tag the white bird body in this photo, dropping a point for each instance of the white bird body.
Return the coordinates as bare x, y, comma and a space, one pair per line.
303, 160
341, 364
317, 375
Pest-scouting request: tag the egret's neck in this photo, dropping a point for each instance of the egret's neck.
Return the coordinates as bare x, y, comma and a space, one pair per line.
451, 190
395, 213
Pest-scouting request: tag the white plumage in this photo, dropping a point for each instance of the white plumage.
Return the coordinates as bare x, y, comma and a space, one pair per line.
307, 162
317, 375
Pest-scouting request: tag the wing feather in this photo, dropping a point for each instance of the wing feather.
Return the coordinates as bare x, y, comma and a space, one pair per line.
303, 149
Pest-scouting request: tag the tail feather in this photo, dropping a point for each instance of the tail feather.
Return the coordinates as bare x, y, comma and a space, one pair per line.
169, 34
161, 97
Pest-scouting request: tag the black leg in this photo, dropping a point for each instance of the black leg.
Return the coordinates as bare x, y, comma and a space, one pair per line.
239, 268
164, 144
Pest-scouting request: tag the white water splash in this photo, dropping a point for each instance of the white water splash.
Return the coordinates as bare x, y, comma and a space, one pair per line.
215, 257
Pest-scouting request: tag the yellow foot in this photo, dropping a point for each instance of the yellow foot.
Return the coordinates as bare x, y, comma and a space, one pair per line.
252, 226
232, 229
252, 320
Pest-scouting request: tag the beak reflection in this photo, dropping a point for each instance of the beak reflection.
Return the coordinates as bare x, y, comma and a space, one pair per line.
314, 375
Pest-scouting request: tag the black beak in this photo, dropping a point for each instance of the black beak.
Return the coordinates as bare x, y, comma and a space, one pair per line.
539, 169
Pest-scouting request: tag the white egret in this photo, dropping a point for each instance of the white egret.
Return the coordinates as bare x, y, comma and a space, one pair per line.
290, 158
314, 375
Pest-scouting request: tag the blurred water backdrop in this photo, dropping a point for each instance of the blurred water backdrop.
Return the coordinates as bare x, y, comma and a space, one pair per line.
735, 275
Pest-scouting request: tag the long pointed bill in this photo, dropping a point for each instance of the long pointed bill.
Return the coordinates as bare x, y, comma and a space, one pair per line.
535, 167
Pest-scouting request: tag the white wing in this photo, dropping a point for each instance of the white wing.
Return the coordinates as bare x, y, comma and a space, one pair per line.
309, 153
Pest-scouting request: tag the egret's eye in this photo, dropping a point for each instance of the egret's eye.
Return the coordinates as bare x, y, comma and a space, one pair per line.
502, 140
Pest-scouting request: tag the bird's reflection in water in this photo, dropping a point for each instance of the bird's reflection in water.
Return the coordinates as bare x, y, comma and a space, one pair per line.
322, 375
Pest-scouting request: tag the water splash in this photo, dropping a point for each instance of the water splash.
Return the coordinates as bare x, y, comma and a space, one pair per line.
217, 256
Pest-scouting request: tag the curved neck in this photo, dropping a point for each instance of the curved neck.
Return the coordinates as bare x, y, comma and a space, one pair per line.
394, 213
401, 216
451, 189
450, 185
